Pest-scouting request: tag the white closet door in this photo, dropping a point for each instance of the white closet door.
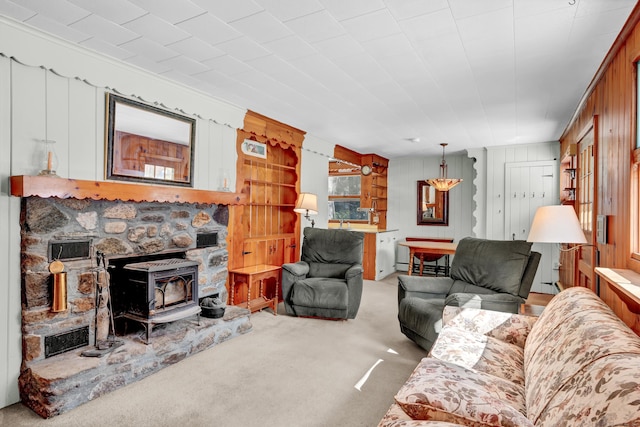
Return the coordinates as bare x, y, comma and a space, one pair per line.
529, 185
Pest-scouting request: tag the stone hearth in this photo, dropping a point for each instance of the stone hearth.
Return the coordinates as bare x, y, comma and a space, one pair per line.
56, 385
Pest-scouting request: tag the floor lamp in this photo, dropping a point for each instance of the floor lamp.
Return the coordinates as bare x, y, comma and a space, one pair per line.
559, 224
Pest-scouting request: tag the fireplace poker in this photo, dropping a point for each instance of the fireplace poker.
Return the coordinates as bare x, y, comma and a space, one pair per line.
103, 347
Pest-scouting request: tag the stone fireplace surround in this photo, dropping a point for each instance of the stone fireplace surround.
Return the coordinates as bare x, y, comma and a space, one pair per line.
117, 228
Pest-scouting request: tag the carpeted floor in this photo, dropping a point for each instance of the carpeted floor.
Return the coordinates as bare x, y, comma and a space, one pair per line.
286, 372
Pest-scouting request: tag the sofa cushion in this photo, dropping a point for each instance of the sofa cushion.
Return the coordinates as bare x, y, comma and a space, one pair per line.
575, 330
507, 327
396, 417
493, 264
605, 393
320, 293
443, 391
480, 353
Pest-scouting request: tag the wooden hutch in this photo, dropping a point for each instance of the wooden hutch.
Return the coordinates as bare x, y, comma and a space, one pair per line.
266, 230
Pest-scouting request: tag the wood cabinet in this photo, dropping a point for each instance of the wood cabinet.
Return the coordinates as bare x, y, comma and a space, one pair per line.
379, 259
266, 230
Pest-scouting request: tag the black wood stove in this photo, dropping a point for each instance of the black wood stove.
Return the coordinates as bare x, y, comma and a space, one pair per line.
157, 291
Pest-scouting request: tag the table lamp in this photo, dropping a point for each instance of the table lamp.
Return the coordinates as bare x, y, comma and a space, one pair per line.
307, 204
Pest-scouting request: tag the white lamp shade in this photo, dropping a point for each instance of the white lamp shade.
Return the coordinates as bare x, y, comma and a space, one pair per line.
307, 203
556, 224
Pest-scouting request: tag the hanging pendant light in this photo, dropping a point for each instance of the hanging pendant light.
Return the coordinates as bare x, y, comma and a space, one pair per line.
443, 183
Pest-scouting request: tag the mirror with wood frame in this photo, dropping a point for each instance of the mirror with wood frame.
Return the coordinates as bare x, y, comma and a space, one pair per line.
433, 205
148, 144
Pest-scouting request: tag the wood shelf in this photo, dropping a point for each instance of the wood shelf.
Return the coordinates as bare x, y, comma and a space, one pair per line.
46, 186
625, 283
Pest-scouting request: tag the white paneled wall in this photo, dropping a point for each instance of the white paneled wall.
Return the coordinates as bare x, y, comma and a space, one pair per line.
68, 106
403, 175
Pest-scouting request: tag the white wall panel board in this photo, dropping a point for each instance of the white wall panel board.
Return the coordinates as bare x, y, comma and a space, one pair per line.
28, 119
57, 119
86, 142
316, 154
14, 300
9, 318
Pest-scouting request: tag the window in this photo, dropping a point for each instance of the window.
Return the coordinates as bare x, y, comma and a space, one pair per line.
344, 198
635, 180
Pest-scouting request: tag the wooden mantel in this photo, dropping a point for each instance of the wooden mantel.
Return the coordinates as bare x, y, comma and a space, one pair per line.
46, 186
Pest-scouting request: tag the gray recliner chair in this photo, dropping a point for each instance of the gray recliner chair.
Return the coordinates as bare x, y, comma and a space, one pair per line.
327, 281
488, 274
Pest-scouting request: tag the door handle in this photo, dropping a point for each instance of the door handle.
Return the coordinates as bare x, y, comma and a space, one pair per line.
246, 252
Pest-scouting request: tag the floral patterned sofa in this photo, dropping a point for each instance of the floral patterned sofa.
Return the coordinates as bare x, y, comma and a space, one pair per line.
575, 365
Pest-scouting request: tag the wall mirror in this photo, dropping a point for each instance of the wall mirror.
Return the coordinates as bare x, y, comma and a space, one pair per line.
433, 205
148, 144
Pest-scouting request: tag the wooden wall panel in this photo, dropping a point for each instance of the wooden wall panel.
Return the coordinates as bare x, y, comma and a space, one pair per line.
612, 98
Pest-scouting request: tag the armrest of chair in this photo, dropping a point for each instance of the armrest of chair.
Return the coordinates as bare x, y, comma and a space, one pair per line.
354, 271
504, 302
291, 273
423, 287
298, 269
354, 276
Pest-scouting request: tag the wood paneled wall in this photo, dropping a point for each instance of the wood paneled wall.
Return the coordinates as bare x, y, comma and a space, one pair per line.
612, 98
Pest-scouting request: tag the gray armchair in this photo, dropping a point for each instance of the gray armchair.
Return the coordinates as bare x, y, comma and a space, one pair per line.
327, 281
489, 274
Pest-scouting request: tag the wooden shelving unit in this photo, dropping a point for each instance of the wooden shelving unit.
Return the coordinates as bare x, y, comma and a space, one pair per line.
266, 229
568, 170
373, 193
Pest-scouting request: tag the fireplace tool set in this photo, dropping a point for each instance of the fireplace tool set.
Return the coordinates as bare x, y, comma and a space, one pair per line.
103, 347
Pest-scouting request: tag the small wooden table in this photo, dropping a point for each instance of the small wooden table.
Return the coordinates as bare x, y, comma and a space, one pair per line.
531, 309
432, 248
256, 274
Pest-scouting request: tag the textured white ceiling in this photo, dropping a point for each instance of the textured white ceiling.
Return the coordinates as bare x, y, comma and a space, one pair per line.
365, 74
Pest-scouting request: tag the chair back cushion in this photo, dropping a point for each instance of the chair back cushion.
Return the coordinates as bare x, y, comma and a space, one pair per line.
332, 247
497, 265
335, 271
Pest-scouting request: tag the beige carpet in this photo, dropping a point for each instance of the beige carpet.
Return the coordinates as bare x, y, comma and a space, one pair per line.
286, 372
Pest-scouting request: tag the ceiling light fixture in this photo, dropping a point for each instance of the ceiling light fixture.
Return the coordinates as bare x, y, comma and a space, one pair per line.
443, 183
